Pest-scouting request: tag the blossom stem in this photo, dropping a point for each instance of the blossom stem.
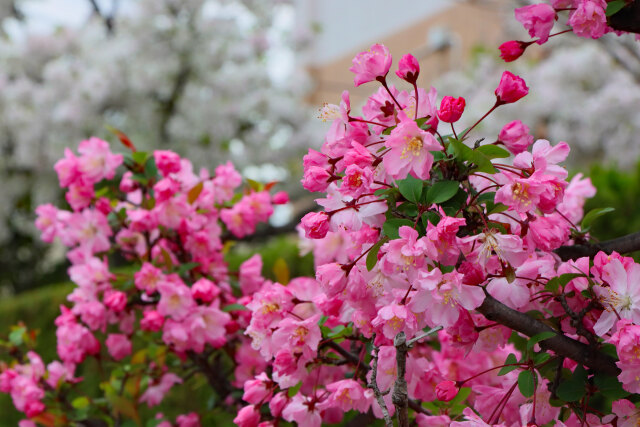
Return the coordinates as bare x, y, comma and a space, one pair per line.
415, 90
383, 82
496, 105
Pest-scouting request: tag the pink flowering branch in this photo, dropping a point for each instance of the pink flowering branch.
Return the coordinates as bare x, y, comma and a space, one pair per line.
562, 345
400, 396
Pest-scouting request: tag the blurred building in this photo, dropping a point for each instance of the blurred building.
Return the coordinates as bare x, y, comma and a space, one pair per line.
440, 33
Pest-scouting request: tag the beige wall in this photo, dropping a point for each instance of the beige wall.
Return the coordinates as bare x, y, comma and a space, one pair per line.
471, 23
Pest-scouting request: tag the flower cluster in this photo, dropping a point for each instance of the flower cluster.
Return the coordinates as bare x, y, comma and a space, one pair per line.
171, 224
587, 18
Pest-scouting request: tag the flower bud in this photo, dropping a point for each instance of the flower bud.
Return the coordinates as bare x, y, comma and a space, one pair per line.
511, 88
280, 198
315, 224
446, 390
451, 109
512, 50
408, 68
515, 136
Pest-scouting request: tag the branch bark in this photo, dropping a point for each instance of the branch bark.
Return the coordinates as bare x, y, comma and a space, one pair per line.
373, 385
400, 396
562, 345
622, 245
627, 19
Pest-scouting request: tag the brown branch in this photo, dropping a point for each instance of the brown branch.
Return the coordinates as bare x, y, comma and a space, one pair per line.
109, 20
622, 245
373, 385
400, 396
215, 377
563, 346
627, 19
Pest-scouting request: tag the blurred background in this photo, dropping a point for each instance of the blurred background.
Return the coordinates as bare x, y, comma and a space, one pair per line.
242, 80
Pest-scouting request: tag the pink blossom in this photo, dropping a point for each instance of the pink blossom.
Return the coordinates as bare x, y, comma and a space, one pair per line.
260, 389
394, 318
299, 336
447, 390
67, 169
250, 275
410, 150
538, 19
621, 299
299, 410
451, 109
175, 298
348, 395
371, 65
204, 290
188, 420
356, 181
332, 277
589, 19
511, 88
79, 195
315, 178
115, 300
408, 68
151, 321
515, 136
118, 345
280, 198
97, 162
248, 416
148, 278
315, 224
154, 394
167, 161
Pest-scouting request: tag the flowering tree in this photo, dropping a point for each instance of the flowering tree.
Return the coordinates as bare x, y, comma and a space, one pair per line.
456, 283
186, 75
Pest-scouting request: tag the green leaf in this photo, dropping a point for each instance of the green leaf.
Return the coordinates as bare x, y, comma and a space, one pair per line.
150, 168
493, 151
183, 268
539, 337
392, 225
442, 191
438, 155
140, 157
234, 307
388, 130
554, 284
614, 7
511, 358
195, 191
372, 256
80, 402
571, 391
292, 391
592, 216
430, 217
255, 185
410, 188
16, 336
609, 386
281, 271
525, 383
482, 162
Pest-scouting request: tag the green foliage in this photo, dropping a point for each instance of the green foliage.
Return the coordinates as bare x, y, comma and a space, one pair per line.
618, 189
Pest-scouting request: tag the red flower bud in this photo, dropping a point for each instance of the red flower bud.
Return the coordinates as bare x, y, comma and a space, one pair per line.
451, 109
408, 68
512, 50
446, 390
511, 88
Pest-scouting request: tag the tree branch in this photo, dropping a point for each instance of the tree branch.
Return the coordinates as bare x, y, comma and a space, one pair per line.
627, 19
622, 245
400, 396
373, 385
562, 345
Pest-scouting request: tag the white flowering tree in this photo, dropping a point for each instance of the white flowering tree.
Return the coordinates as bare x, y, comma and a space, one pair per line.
189, 75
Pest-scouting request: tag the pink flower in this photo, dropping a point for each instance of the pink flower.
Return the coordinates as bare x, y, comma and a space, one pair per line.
148, 278
280, 198
167, 161
315, 224
97, 162
621, 299
394, 318
447, 390
47, 222
515, 136
451, 109
408, 68
589, 19
348, 395
119, 346
175, 298
511, 88
315, 178
356, 181
512, 50
250, 275
115, 300
371, 65
538, 19
248, 416
205, 290
301, 411
67, 169
151, 321
188, 420
332, 277
410, 150
154, 394
260, 389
